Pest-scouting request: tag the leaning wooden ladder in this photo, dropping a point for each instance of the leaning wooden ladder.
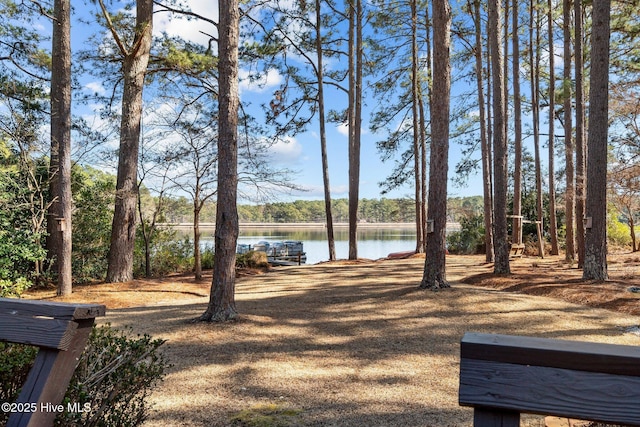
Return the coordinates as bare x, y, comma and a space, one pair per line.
61, 332
502, 376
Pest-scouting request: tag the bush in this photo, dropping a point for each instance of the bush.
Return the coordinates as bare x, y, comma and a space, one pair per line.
13, 288
15, 362
207, 257
618, 233
113, 380
167, 254
252, 259
93, 194
470, 238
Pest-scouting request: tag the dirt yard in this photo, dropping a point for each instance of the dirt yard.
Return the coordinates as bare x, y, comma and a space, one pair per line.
356, 343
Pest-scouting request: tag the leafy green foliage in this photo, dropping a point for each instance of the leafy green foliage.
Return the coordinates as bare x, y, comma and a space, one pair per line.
20, 212
470, 239
207, 257
618, 233
167, 254
13, 288
15, 362
187, 57
115, 375
93, 192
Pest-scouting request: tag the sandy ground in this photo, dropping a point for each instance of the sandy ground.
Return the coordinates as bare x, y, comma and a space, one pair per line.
355, 344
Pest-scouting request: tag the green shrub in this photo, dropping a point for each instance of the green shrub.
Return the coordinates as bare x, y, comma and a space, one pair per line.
167, 254
93, 196
111, 385
618, 233
13, 288
15, 363
207, 257
470, 238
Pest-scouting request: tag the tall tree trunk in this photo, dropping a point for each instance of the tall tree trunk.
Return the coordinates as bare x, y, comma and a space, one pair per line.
323, 136
517, 124
569, 198
222, 305
415, 94
197, 253
355, 116
501, 242
423, 171
632, 231
534, 59
485, 147
61, 134
553, 219
580, 132
123, 230
423, 122
595, 257
353, 190
434, 276
52, 240
505, 66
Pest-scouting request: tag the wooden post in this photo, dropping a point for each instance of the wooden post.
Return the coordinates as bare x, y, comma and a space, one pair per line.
61, 332
540, 241
483, 417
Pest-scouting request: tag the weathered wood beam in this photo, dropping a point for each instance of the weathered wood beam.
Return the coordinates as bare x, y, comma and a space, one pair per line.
501, 375
61, 332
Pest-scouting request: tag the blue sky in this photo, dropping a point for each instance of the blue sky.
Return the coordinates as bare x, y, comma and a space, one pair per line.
302, 152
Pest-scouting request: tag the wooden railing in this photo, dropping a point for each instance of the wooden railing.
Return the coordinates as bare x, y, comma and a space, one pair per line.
502, 376
61, 332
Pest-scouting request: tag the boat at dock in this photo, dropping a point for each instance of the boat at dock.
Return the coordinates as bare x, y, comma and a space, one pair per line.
288, 252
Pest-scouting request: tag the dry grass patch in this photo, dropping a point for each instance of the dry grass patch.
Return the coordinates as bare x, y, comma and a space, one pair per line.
346, 344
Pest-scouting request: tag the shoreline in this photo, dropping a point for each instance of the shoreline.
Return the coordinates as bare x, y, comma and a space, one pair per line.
303, 225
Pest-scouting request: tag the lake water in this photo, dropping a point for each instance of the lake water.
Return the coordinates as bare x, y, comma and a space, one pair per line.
373, 243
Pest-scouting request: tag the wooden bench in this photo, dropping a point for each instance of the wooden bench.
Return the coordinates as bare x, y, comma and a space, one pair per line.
502, 376
516, 250
61, 332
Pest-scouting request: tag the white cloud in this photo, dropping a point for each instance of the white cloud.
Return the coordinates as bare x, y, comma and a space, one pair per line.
193, 30
267, 81
95, 87
286, 151
339, 189
315, 192
343, 129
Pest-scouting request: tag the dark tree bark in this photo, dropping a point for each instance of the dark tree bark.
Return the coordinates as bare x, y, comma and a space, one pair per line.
517, 125
415, 111
501, 242
434, 276
61, 138
323, 135
595, 257
222, 306
580, 133
485, 147
569, 196
534, 58
134, 68
355, 120
553, 219
197, 253
423, 123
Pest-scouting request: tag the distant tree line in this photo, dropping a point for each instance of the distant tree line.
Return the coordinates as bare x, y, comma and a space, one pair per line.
384, 210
